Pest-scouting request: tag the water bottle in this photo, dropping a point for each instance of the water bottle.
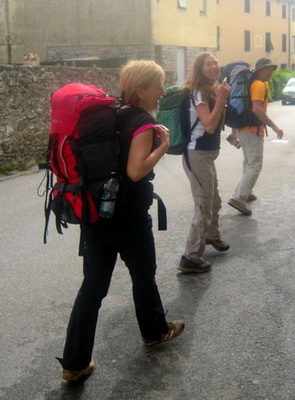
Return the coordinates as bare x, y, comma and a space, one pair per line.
108, 199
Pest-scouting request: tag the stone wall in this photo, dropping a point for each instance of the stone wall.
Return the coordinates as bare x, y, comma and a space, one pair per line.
124, 52
192, 52
25, 105
167, 57
25, 109
162, 54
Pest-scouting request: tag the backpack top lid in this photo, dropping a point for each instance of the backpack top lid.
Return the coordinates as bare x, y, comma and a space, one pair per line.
173, 98
69, 101
232, 70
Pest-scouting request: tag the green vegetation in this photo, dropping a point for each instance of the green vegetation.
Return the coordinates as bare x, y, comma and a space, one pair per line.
95, 66
6, 169
278, 80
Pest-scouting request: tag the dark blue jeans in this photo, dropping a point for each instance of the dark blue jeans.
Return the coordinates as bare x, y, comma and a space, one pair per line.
132, 237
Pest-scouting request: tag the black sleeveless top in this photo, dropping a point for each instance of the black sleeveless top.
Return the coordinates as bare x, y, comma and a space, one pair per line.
209, 141
133, 196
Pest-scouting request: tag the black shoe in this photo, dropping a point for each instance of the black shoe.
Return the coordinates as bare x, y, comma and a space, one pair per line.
186, 265
218, 244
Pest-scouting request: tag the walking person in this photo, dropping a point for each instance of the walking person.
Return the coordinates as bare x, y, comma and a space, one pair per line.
252, 137
129, 233
207, 109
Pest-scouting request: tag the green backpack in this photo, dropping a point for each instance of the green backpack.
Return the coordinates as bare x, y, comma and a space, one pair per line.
175, 115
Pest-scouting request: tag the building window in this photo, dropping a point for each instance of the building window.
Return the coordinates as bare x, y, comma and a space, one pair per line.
283, 66
293, 14
284, 43
182, 4
268, 42
218, 37
267, 7
247, 6
284, 11
202, 6
247, 36
293, 44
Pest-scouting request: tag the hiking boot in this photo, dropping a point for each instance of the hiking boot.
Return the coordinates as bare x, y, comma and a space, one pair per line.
175, 329
73, 376
186, 265
238, 205
251, 197
218, 244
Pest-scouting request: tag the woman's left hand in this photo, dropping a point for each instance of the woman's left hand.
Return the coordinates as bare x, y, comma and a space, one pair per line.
163, 134
142, 158
223, 89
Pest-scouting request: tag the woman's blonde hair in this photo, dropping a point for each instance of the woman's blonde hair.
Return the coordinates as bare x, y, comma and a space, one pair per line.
196, 79
138, 74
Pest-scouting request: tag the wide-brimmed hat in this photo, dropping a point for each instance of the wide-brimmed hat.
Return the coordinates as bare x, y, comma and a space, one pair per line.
263, 63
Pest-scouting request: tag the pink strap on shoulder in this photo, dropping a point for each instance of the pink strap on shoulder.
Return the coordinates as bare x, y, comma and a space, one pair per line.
142, 129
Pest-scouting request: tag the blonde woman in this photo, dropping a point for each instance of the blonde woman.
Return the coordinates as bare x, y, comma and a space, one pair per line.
207, 108
129, 233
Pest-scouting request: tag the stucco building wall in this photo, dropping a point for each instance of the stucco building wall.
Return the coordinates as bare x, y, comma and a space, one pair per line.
233, 21
37, 25
61, 30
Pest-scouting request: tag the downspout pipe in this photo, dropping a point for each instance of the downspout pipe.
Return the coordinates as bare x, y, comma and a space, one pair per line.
8, 36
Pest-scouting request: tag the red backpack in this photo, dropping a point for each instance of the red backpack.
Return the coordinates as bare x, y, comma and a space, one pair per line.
82, 153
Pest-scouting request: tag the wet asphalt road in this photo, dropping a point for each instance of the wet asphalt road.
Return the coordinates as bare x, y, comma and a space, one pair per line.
239, 341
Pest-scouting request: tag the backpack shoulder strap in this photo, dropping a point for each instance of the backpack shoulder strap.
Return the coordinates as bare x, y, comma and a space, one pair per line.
198, 119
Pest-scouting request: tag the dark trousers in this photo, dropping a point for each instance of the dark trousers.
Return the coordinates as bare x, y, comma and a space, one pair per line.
133, 239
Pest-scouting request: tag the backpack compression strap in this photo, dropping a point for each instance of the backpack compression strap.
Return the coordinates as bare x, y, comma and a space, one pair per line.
47, 203
162, 214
